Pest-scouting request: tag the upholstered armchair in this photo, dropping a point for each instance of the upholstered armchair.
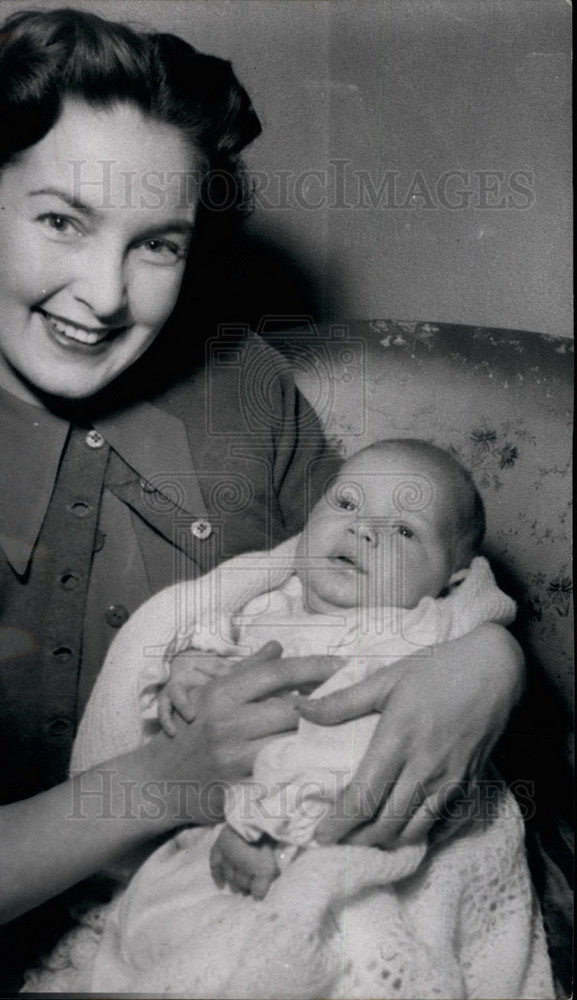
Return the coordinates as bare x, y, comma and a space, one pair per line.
501, 401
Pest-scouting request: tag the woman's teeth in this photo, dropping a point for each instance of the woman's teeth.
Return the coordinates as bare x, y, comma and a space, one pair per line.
76, 332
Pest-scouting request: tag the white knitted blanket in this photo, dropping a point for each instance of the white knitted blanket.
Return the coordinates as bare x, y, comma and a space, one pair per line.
458, 920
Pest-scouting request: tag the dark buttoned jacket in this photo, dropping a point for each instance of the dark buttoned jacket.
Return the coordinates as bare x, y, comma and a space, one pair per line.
104, 505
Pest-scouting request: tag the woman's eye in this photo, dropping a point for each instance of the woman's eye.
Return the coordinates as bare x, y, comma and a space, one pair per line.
404, 531
163, 251
60, 225
345, 504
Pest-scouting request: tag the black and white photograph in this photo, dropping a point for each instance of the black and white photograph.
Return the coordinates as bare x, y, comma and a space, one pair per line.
286, 400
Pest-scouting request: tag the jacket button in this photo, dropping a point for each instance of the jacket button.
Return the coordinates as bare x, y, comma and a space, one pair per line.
59, 728
69, 580
80, 508
116, 615
63, 653
201, 529
94, 440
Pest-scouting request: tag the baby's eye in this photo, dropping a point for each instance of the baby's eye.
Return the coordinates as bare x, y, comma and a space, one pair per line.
343, 503
347, 496
404, 531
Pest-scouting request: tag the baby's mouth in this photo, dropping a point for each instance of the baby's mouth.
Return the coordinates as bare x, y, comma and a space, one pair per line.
78, 333
348, 562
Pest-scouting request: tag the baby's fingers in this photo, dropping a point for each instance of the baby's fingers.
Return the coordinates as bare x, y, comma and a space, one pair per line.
216, 866
218, 666
242, 882
165, 714
260, 885
229, 876
182, 700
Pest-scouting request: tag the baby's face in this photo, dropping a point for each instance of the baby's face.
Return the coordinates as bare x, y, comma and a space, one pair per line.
380, 536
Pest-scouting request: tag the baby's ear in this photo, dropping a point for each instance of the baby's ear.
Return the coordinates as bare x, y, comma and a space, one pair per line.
454, 582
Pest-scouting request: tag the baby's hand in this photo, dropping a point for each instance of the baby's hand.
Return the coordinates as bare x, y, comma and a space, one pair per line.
246, 868
188, 672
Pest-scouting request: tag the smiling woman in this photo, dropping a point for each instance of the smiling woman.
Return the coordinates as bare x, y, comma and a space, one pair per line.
112, 147
90, 279
90, 112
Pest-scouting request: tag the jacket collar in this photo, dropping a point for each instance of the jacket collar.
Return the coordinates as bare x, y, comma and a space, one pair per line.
150, 440
32, 441
155, 444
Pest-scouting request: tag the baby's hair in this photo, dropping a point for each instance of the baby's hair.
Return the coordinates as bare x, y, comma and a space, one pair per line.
469, 510
47, 56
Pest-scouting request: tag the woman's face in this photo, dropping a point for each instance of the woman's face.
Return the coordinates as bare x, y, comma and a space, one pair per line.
95, 224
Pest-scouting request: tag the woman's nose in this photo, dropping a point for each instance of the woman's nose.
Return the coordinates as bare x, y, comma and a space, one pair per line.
102, 286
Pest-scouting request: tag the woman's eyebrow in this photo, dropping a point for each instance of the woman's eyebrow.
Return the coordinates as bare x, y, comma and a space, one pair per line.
70, 200
177, 225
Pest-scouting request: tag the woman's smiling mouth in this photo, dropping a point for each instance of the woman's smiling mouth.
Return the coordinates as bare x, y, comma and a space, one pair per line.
67, 331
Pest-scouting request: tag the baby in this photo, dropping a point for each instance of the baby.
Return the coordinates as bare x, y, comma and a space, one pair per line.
400, 523
386, 567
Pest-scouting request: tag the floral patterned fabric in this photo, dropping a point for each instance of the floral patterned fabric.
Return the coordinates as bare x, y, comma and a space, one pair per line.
502, 402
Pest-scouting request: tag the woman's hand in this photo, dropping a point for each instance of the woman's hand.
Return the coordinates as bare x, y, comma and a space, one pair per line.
188, 671
57, 838
441, 716
234, 717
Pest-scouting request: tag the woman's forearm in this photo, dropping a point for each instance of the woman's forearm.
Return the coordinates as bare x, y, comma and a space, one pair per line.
58, 838
493, 657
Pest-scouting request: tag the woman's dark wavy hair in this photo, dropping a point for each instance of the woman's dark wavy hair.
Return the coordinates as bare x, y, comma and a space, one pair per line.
46, 56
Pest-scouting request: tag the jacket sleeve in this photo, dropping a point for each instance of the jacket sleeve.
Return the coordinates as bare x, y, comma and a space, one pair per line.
304, 460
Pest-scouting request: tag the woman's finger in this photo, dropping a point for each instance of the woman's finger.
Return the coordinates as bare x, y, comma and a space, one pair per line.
416, 802
446, 811
419, 824
410, 829
359, 825
369, 695
270, 651
351, 808
375, 780
447, 804
251, 722
362, 800
264, 678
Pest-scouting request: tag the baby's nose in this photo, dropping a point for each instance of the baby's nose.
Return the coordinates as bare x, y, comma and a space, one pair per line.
366, 531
